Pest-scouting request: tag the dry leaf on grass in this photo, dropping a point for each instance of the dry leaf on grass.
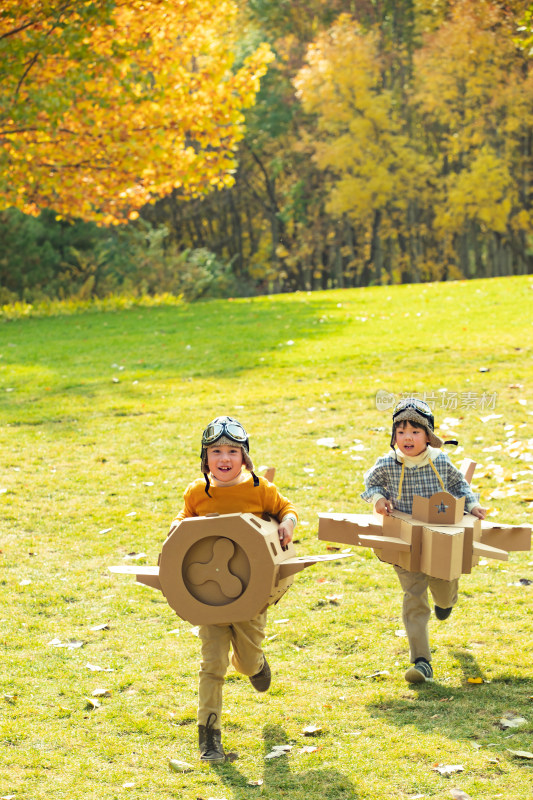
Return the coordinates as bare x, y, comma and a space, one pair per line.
279, 750
96, 668
72, 644
511, 720
92, 704
448, 769
179, 766
458, 794
311, 730
101, 693
520, 753
258, 782
309, 749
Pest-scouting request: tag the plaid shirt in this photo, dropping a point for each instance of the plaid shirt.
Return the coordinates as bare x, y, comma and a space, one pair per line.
384, 479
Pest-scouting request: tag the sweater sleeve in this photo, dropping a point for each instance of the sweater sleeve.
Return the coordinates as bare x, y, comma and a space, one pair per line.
188, 509
276, 504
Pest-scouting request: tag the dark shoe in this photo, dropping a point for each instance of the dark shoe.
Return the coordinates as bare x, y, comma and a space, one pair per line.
443, 613
209, 741
261, 681
420, 672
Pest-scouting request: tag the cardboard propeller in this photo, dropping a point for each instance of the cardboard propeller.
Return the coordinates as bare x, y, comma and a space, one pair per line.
438, 538
223, 569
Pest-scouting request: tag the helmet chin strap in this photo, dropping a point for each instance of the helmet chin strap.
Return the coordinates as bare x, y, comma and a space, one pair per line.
208, 482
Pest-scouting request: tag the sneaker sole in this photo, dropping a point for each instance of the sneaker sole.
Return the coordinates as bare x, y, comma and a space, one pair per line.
415, 676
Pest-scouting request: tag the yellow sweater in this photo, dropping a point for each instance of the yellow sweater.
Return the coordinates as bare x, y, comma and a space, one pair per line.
240, 498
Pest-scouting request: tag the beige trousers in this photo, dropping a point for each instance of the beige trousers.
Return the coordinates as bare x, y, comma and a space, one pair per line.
416, 611
245, 638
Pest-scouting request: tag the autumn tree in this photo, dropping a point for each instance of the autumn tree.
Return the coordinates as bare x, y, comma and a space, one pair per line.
474, 98
105, 106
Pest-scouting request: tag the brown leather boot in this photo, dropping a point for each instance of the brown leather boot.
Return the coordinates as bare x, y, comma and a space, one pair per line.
261, 681
209, 741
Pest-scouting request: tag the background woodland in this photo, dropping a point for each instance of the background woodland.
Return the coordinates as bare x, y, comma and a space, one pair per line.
242, 148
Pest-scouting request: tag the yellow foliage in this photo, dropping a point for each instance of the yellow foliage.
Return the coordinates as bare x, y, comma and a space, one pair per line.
359, 140
158, 106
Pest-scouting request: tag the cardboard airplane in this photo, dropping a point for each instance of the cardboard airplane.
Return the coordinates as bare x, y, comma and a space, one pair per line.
223, 568
438, 538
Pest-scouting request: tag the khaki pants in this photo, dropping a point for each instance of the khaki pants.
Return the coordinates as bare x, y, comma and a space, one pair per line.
416, 611
245, 638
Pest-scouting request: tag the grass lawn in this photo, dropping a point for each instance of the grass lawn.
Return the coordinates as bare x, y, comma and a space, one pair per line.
101, 415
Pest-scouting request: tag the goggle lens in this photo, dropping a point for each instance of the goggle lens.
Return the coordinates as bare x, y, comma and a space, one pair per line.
418, 405
217, 429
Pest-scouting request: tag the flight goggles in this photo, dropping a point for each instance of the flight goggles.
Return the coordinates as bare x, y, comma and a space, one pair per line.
224, 427
417, 405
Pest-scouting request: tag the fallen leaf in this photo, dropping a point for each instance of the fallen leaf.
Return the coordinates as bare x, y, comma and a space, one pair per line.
520, 753
103, 627
279, 750
380, 674
72, 644
511, 720
179, 766
101, 693
334, 599
311, 730
309, 749
327, 441
475, 680
96, 668
448, 769
258, 782
92, 704
10, 698
458, 794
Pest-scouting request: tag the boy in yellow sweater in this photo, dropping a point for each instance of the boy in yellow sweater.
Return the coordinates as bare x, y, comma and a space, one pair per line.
226, 489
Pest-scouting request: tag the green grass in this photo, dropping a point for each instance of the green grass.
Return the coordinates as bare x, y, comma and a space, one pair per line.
101, 415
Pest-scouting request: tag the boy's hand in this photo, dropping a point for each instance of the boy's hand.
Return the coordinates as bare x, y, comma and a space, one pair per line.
384, 506
479, 512
285, 531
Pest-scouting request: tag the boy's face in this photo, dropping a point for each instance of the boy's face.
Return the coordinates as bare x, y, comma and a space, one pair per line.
224, 461
411, 440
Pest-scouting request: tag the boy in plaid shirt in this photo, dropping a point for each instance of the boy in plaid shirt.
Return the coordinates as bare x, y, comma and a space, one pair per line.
417, 467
